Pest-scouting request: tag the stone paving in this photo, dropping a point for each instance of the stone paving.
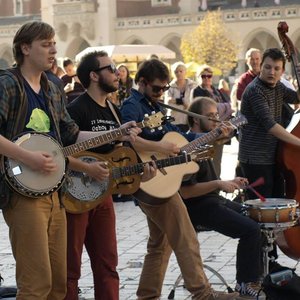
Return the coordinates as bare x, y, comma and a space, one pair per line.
217, 250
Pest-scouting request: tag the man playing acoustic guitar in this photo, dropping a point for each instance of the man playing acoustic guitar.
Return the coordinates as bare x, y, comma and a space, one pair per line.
37, 222
169, 224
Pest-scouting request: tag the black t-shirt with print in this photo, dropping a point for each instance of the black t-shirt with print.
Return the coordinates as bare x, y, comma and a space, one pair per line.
90, 116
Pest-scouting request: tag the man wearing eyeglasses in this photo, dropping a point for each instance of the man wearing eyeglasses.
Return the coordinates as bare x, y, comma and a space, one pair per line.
208, 209
96, 228
206, 89
169, 223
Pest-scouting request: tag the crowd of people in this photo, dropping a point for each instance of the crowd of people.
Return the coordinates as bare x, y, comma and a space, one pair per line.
84, 102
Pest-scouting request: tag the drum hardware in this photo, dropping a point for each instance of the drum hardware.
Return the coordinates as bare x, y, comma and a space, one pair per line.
275, 215
266, 248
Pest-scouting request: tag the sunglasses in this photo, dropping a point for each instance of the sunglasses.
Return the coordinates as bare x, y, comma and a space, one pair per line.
206, 76
157, 88
112, 68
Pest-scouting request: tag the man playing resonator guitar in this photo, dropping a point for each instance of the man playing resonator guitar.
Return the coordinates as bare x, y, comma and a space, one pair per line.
37, 226
96, 228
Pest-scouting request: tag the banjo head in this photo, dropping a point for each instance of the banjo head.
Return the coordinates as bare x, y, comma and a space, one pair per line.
33, 183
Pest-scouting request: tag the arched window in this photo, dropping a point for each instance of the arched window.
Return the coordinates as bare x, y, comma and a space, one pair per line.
18, 7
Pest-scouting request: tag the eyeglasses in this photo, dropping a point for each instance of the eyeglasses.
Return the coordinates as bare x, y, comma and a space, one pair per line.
157, 88
206, 76
213, 115
112, 68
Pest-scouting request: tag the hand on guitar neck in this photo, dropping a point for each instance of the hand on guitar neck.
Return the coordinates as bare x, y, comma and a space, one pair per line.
132, 131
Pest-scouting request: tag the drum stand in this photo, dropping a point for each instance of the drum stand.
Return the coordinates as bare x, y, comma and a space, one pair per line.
267, 247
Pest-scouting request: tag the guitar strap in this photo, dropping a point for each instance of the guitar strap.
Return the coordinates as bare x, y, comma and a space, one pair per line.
112, 109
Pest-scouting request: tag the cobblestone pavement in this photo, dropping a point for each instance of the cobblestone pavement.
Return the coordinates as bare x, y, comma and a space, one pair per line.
217, 250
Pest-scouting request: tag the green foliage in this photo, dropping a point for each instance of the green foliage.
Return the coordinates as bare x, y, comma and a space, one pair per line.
210, 43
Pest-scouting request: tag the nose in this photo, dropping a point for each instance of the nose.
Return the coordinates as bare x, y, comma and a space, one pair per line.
53, 49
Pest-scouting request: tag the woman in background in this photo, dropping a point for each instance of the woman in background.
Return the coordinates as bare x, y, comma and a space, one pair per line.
205, 88
125, 84
179, 94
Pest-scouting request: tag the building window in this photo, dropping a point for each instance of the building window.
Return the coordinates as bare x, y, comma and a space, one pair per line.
156, 3
18, 7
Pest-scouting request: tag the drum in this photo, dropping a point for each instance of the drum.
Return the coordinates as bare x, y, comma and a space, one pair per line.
274, 212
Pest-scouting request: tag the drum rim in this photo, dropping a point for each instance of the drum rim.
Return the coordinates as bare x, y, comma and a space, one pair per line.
286, 203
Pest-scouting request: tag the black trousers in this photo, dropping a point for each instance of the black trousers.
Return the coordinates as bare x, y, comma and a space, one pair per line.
225, 216
272, 188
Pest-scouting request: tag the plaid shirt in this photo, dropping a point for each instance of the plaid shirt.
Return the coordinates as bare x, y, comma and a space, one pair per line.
14, 102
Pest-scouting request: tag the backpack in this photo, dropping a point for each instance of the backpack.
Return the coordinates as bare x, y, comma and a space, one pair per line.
281, 285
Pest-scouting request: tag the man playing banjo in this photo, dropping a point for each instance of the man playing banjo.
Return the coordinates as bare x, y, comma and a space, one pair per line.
30, 103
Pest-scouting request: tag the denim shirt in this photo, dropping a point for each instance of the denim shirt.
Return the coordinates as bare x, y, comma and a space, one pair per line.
137, 105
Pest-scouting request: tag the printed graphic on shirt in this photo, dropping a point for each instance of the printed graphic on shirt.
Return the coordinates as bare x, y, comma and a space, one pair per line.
39, 121
102, 125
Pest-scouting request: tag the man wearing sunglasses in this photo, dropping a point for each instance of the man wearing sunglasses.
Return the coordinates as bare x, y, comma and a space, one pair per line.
169, 223
96, 228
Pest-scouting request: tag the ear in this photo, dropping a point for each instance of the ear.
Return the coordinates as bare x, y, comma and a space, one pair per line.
142, 82
25, 48
196, 121
93, 76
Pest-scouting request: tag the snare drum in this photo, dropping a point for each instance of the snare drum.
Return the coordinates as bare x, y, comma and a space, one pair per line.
274, 212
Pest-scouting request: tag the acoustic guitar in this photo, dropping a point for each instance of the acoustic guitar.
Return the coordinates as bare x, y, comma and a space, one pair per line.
168, 180
35, 184
85, 193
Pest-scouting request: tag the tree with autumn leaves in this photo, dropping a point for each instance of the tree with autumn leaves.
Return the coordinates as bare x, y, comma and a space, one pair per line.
210, 44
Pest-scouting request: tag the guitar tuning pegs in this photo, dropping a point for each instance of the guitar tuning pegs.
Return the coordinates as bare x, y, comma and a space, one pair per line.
153, 112
159, 128
146, 115
152, 130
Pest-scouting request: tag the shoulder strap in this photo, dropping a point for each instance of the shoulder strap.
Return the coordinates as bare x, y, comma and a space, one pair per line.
112, 109
19, 124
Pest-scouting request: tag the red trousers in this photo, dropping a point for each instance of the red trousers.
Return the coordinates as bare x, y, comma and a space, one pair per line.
96, 230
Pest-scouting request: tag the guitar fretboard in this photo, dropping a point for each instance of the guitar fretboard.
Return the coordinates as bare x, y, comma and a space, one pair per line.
119, 172
212, 135
202, 140
97, 141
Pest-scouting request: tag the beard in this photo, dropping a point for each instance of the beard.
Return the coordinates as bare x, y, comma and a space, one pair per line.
105, 86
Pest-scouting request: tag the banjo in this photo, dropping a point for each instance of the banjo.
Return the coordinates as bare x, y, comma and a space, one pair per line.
35, 184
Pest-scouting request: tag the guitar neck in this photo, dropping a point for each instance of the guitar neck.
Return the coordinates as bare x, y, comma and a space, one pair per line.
202, 140
130, 170
97, 141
